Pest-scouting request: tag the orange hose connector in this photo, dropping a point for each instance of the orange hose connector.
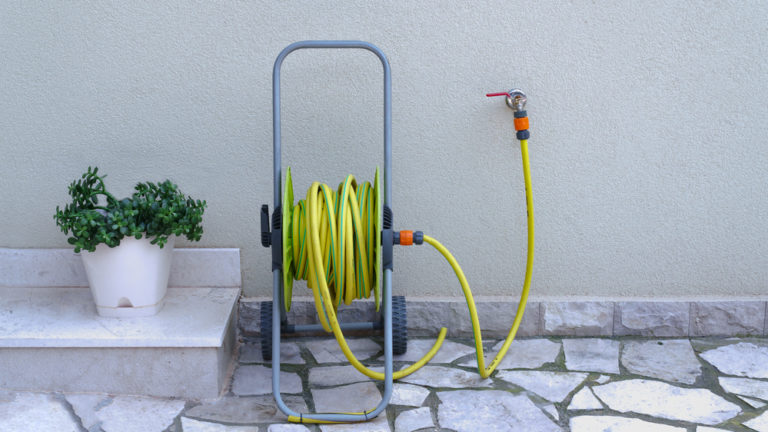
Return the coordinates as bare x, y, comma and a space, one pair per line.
521, 123
406, 238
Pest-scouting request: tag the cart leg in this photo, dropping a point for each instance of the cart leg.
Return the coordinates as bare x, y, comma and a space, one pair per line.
388, 361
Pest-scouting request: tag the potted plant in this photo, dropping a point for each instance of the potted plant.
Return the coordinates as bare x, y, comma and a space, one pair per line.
128, 244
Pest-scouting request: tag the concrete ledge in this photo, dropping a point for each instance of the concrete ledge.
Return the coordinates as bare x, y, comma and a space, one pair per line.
730, 318
648, 318
67, 318
51, 339
193, 373
658, 318
63, 268
583, 318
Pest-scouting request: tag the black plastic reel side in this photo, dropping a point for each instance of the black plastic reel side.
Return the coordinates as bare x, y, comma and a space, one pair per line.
265, 315
399, 326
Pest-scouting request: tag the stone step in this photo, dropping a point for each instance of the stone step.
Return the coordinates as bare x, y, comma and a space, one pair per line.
52, 339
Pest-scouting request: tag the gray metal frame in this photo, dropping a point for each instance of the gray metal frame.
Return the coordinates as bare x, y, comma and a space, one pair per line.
277, 309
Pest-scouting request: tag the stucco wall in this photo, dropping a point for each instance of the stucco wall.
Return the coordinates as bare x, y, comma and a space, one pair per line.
648, 149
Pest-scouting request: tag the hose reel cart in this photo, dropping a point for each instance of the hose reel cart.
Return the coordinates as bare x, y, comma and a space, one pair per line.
340, 241
273, 317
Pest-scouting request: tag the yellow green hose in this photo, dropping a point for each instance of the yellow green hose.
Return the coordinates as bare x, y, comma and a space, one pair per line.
332, 242
486, 372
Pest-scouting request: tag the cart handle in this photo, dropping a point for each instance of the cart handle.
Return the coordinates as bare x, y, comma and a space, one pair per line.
277, 164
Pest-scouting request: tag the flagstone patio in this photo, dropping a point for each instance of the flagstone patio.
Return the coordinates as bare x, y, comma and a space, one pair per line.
545, 384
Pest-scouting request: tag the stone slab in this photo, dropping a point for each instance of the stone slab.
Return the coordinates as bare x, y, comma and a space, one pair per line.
138, 414
191, 267
552, 386
754, 403
324, 376
85, 406
245, 410
523, 354
577, 318
328, 350
701, 345
356, 397
448, 352
35, 412
529, 353
249, 324
668, 360
67, 318
584, 399
124, 413
736, 318
592, 355
744, 359
290, 353
491, 410
662, 400
253, 380
408, 395
657, 319
759, 423
415, 419
446, 377
191, 425
618, 424
745, 387
425, 318
379, 424
286, 427
552, 411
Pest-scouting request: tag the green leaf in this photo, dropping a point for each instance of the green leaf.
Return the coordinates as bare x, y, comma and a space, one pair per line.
154, 210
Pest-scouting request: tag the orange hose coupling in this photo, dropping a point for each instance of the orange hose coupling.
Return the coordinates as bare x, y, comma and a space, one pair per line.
408, 237
521, 123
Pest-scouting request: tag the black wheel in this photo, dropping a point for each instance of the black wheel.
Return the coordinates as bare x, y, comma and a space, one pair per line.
265, 314
399, 326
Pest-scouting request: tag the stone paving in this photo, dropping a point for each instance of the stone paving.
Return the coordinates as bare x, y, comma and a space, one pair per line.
544, 384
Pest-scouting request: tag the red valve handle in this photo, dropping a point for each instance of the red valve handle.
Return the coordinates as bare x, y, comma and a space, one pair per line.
498, 94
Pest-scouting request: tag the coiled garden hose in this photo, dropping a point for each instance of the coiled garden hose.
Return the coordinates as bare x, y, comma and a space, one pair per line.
335, 246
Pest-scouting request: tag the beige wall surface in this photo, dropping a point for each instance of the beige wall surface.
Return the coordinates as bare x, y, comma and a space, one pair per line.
649, 129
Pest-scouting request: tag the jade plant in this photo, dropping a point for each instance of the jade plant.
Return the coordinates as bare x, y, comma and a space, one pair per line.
155, 211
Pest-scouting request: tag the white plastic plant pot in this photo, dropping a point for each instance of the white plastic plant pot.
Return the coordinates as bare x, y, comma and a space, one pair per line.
129, 280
